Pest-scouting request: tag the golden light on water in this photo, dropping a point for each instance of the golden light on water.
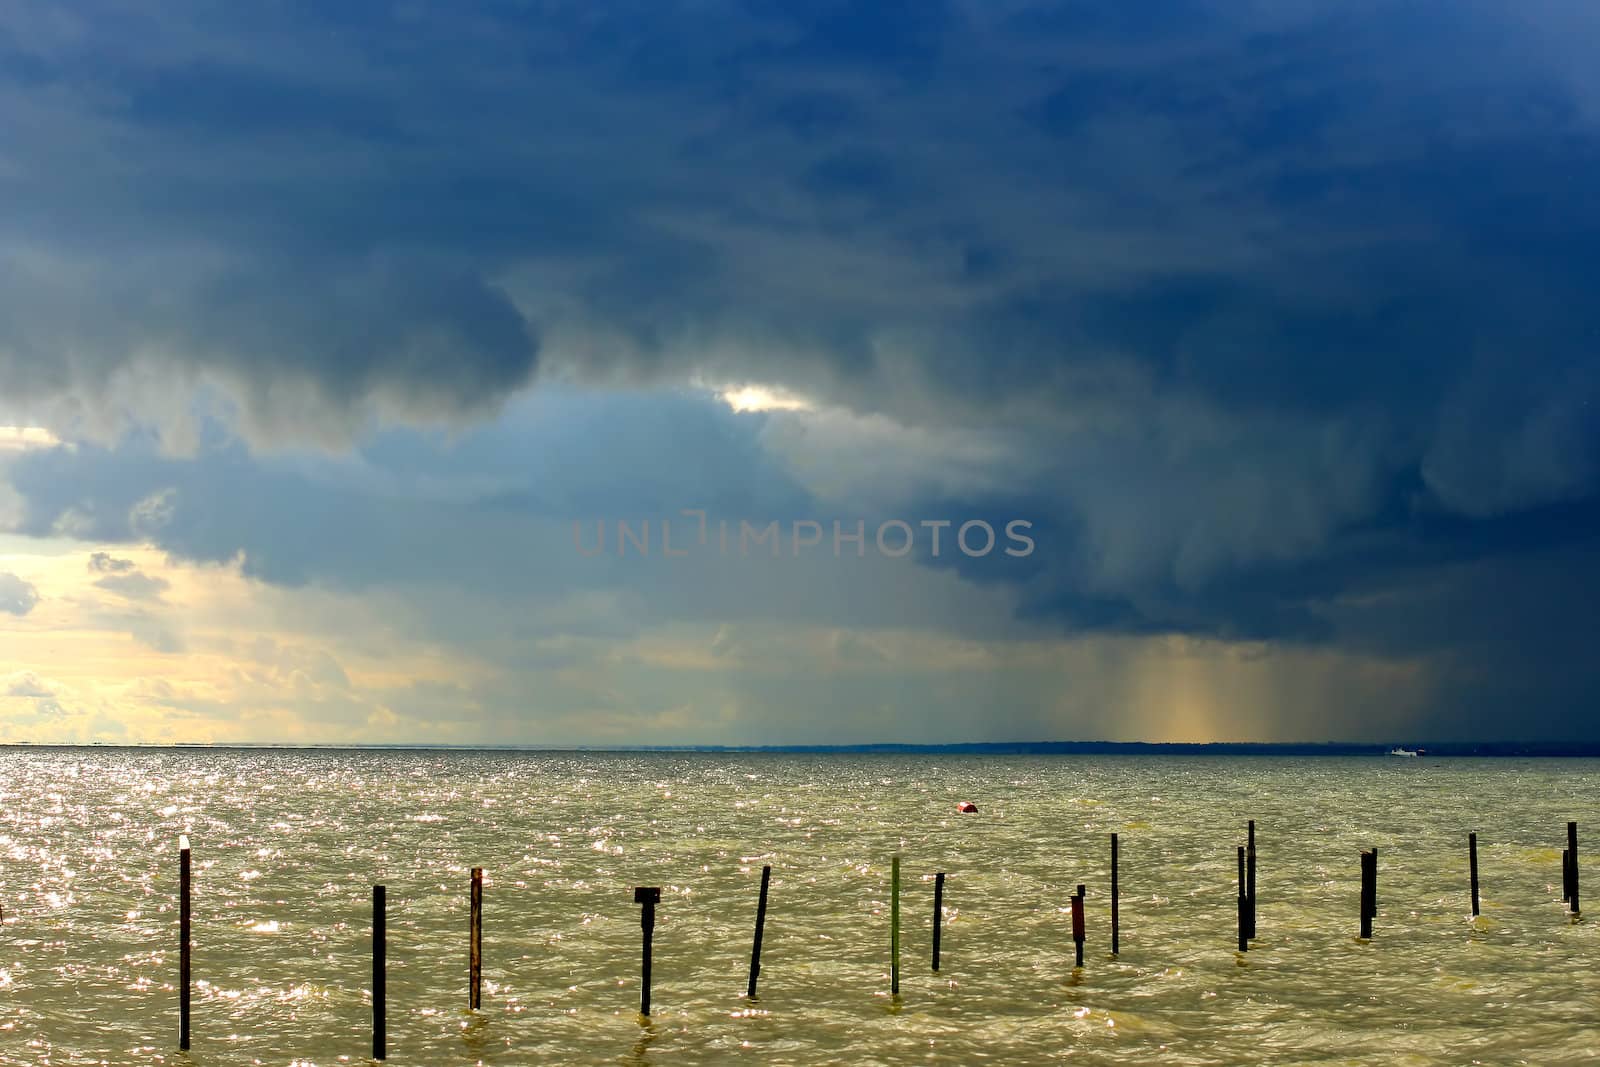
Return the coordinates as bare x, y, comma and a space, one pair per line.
292, 845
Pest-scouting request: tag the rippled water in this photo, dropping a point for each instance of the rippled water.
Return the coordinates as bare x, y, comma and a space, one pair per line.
287, 845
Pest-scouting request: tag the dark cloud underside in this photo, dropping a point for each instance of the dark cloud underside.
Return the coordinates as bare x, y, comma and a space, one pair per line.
1264, 313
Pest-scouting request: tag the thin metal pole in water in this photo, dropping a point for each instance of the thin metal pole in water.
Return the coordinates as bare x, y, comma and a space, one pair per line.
894, 928
1250, 877
1572, 864
1472, 860
380, 969
1244, 906
1077, 925
938, 914
1116, 923
649, 897
475, 946
761, 924
183, 941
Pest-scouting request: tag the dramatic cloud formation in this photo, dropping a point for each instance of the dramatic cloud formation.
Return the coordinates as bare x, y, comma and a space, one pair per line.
1274, 320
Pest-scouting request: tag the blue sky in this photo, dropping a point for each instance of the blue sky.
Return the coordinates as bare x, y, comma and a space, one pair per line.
321, 327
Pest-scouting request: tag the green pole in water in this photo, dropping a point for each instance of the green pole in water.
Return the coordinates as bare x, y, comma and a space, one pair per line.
1115, 925
894, 928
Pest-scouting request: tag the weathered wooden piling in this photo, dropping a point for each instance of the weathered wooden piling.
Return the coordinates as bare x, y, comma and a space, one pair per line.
647, 897
1250, 877
1572, 866
938, 915
1116, 923
1372, 896
183, 941
1244, 905
761, 923
475, 937
1472, 862
1077, 924
1369, 890
380, 972
894, 928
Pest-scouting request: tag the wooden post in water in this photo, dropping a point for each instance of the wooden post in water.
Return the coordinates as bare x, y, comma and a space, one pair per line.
894, 928
1373, 897
1077, 924
183, 941
648, 897
938, 915
475, 946
1369, 890
1116, 925
380, 971
1366, 924
761, 923
1250, 877
1472, 862
1244, 905
1572, 865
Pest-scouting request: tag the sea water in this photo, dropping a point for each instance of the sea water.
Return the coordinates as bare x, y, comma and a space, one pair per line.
287, 845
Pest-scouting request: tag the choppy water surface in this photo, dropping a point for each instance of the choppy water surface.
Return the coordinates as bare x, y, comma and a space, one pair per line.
287, 845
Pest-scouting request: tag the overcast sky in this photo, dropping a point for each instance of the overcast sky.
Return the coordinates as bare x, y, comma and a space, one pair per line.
333, 338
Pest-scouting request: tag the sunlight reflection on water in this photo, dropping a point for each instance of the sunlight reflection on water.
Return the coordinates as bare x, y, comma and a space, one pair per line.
287, 845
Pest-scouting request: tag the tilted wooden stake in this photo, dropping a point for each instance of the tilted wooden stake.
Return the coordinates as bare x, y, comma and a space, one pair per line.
761, 922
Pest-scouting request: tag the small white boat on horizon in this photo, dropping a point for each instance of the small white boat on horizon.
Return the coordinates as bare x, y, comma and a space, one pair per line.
1411, 752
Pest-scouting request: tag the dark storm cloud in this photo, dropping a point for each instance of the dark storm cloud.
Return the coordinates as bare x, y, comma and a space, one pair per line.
1275, 307
475, 534
940, 210
491, 510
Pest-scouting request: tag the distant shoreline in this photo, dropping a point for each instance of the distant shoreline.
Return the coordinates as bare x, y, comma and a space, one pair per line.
1484, 749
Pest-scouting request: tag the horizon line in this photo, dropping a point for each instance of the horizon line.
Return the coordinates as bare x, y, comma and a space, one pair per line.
1568, 749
